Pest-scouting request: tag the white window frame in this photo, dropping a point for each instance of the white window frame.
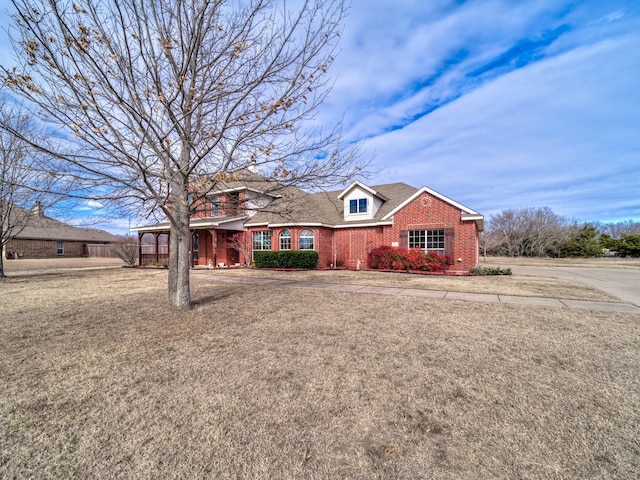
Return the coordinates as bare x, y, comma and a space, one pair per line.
361, 205
285, 235
304, 237
431, 240
261, 239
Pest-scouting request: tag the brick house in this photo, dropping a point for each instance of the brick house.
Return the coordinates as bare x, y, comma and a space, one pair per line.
342, 226
44, 237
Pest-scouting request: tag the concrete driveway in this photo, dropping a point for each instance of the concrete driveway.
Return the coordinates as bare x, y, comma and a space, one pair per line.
623, 283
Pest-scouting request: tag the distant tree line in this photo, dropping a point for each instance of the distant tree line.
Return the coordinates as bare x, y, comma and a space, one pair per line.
539, 232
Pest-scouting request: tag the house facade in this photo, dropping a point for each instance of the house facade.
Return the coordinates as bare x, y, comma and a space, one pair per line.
44, 237
228, 226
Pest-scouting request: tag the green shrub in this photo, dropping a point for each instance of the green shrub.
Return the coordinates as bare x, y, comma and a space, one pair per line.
629, 245
306, 259
490, 271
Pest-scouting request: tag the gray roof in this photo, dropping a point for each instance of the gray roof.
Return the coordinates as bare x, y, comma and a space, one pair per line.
246, 179
40, 227
327, 209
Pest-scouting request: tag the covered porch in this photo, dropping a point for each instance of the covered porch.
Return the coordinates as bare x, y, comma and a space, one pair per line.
214, 243
212, 248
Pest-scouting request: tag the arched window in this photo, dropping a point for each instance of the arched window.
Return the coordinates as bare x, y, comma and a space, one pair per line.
306, 240
285, 240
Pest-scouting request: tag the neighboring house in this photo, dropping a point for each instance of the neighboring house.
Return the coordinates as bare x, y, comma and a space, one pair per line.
342, 226
44, 237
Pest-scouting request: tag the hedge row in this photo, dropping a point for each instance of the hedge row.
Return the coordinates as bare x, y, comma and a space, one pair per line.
490, 271
285, 259
395, 258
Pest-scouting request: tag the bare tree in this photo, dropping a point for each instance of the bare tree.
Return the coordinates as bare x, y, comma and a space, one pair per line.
529, 232
617, 229
27, 178
159, 101
238, 242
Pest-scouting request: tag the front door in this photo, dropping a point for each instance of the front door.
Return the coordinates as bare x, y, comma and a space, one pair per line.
194, 248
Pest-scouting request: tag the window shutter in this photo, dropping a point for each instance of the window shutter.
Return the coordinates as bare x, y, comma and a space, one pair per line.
404, 239
448, 242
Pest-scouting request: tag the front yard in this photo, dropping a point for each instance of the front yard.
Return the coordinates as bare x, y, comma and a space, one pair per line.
101, 380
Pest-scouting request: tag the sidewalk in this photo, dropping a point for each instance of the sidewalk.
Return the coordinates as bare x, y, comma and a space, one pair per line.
440, 295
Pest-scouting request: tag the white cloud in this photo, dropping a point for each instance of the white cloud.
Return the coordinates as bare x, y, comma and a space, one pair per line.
94, 204
557, 133
530, 103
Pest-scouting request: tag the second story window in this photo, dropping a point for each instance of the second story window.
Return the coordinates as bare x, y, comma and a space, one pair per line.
358, 205
234, 202
215, 206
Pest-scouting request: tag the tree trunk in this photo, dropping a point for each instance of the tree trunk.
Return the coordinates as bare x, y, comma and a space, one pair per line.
182, 298
174, 248
179, 241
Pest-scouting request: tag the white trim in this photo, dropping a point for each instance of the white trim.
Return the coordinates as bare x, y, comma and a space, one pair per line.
196, 223
263, 224
464, 209
359, 225
239, 189
363, 187
302, 225
291, 224
152, 228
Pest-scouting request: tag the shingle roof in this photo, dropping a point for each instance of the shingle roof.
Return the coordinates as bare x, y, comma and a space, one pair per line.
327, 209
246, 179
40, 227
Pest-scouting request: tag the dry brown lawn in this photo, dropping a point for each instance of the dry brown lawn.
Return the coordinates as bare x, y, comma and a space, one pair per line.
101, 380
518, 285
602, 262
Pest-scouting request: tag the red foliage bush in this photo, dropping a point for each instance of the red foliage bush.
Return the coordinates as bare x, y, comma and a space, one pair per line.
396, 258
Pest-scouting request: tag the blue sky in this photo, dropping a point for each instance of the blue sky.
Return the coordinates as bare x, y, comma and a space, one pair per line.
495, 104
499, 104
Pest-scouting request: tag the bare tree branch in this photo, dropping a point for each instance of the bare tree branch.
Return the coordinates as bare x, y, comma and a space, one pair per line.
158, 101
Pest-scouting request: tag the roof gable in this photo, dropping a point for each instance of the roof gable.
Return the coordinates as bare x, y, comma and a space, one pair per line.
361, 186
464, 210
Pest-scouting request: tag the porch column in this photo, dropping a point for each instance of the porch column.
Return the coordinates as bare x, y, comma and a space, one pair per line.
214, 247
156, 236
140, 248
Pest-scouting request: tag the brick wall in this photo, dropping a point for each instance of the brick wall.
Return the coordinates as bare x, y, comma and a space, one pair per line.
344, 247
45, 248
429, 212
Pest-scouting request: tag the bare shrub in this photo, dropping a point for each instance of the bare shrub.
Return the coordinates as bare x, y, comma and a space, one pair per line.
127, 250
238, 243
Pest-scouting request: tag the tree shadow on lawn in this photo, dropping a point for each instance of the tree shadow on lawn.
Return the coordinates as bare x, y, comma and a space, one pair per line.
215, 297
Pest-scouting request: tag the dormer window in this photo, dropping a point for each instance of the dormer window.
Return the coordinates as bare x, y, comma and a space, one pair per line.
360, 202
358, 205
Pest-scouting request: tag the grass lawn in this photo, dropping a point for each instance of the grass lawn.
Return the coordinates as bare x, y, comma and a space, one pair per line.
99, 379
